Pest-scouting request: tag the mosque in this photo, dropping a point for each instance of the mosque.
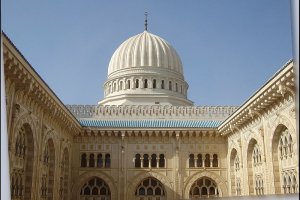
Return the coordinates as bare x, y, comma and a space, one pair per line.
145, 140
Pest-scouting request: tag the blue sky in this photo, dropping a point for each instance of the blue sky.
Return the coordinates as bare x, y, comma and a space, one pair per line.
229, 49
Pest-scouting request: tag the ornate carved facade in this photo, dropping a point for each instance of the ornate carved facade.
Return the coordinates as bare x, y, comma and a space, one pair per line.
157, 152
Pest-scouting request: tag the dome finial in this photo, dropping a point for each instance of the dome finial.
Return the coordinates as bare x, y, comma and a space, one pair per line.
146, 21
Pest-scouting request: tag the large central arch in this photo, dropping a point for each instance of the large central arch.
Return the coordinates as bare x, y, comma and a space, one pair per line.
85, 177
221, 183
150, 189
136, 181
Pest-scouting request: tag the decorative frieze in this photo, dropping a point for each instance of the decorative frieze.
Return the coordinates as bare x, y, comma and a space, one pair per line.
152, 112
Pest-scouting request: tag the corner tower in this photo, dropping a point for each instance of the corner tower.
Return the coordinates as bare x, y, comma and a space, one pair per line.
145, 70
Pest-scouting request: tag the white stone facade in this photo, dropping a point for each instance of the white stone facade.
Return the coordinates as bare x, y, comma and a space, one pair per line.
252, 150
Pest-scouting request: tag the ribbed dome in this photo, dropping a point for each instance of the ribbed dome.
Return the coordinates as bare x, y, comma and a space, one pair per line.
145, 50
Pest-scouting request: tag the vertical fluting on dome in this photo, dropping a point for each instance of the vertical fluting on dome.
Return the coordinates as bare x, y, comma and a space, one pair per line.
145, 49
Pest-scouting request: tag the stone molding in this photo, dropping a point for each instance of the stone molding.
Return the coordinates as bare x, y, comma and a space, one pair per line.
279, 87
31, 90
152, 112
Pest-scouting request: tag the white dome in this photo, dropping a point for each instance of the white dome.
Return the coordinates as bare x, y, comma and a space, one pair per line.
145, 70
145, 50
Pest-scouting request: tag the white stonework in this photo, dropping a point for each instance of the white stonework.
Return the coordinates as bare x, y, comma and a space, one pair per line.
128, 147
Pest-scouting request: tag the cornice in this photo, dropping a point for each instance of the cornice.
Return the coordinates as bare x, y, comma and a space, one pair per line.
283, 82
146, 132
31, 87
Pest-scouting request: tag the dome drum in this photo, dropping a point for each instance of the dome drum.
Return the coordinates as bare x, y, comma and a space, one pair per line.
146, 85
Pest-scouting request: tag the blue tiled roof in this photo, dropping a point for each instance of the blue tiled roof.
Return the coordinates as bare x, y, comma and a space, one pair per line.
149, 123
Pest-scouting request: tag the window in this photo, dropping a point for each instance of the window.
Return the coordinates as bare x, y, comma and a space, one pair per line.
83, 160
146, 83
192, 160
150, 189
161, 160
137, 83
162, 84
121, 85
128, 84
146, 160
285, 144
237, 163
20, 144
199, 160
290, 184
170, 85
204, 188
207, 160
137, 163
259, 185
238, 187
256, 155
154, 83
99, 160
95, 188
176, 87
215, 160
153, 161
107, 160
46, 154
115, 87
92, 161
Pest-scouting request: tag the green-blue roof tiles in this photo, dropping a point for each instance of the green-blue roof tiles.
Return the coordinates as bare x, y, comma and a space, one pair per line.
149, 123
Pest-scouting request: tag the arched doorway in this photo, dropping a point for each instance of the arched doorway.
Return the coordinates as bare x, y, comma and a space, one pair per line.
204, 187
150, 189
95, 189
284, 161
23, 153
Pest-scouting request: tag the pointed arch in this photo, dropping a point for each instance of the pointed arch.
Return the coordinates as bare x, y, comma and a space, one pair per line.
281, 124
83, 178
135, 181
254, 151
221, 183
23, 155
